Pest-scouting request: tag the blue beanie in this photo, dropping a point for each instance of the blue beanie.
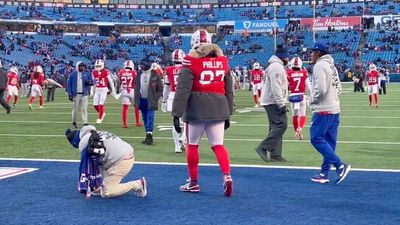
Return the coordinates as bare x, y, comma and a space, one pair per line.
281, 52
321, 46
73, 137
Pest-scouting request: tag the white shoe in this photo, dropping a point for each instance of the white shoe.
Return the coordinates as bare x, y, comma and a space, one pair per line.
98, 121
178, 150
142, 192
256, 106
41, 107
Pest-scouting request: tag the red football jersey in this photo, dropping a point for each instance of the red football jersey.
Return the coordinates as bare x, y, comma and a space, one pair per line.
38, 81
256, 76
127, 78
13, 79
172, 74
297, 80
208, 73
101, 78
372, 77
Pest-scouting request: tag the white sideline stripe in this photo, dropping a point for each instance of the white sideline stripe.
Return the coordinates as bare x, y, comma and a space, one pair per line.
16, 173
226, 139
165, 125
207, 164
261, 109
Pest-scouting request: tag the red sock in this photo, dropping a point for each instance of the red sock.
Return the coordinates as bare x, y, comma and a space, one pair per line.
125, 114
137, 115
31, 99
15, 99
376, 99
8, 99
40, 100
255, 99
259, 93
295, 123
222, 158
96, 107
303, 120
370, 99
192, 157
101, 111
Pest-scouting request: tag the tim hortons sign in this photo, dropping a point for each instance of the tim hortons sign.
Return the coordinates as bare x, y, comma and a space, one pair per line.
333, 22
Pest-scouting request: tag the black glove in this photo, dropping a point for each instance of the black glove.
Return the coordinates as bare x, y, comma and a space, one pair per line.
177, 125
71, 98
227, 124
89, 82
283, 109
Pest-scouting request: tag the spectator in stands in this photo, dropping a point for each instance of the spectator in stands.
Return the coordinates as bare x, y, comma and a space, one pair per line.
3, 86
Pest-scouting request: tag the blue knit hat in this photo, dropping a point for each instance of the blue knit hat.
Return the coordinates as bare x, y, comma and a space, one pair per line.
73, 137
321, 46
281, 52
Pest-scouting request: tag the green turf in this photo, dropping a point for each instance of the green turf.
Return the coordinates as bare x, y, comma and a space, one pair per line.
368, 137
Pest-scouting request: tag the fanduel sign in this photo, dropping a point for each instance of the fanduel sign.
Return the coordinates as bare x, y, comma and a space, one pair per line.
260, 25
334, 22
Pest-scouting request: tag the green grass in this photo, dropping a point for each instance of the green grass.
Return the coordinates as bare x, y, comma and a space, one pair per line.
368, 137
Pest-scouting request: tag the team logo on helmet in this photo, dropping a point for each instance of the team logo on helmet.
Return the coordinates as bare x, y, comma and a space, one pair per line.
296, 62
129, 64
178, 55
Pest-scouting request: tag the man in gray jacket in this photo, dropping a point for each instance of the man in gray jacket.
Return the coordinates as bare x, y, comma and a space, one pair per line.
3, 85
273, 98
324, 102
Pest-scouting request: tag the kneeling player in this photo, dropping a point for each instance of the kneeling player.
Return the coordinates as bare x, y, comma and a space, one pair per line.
170, 80
298, 82
127, 78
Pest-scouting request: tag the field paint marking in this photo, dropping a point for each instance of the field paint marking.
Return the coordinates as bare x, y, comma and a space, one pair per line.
226, 139
165, 125
6, 172
261, 109
208, 164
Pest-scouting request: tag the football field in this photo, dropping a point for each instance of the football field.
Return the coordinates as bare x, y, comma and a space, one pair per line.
44, 192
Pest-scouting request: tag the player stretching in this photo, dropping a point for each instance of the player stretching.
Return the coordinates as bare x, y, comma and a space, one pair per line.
256, 76
37, 79
170, 80
372, 77
126, 82
204, 96
103, 80
13, 85
298, 82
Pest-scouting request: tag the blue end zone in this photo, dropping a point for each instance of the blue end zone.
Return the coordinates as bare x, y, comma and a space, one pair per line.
261, 196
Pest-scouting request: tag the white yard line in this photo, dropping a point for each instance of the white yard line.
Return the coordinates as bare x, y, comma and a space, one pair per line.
207, 164
226, 139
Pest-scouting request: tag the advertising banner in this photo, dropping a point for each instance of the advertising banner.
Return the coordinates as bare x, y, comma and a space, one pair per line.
334, 22
253, 26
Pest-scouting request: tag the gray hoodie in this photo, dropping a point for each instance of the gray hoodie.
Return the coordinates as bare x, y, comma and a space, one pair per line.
326, 87
275, 86
116, 149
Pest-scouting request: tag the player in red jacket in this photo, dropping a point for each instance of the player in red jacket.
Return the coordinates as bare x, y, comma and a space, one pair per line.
170, 81
103, 80
298, 83
256, 78
372, 79
126, 82
13, 85
37, 81
204, 97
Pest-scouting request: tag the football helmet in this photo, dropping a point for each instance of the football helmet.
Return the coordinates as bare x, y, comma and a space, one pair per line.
256, 66
372, 66
200, 37
14, 69
178, 55
38, 69
296, 62
129, 65
99, 65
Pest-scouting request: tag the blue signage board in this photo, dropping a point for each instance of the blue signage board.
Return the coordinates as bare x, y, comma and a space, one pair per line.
259, 25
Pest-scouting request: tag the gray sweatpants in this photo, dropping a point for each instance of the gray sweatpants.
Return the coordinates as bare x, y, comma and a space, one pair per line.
277, 127
80, 101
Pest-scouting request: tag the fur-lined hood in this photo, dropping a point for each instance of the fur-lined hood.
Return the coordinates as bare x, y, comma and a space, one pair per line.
206, 50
